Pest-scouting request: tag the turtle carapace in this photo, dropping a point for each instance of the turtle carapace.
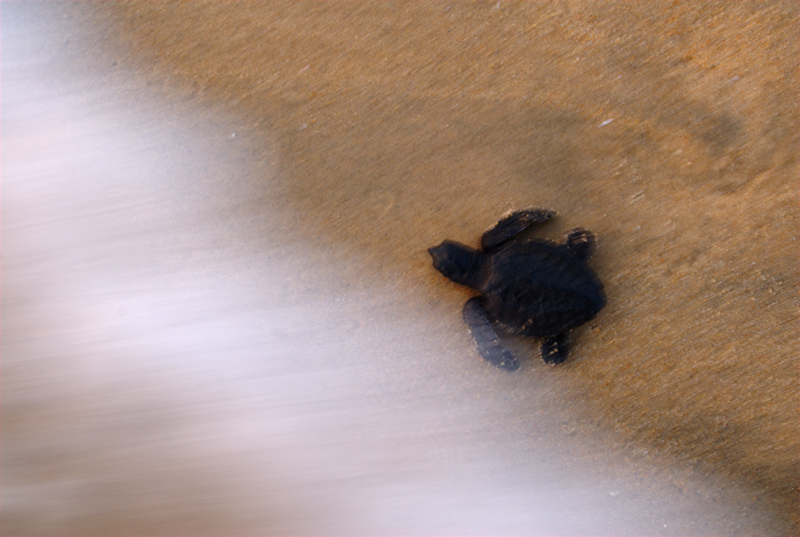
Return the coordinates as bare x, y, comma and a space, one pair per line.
534, 287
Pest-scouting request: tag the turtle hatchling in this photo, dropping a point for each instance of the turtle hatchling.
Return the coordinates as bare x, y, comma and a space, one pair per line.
534, 287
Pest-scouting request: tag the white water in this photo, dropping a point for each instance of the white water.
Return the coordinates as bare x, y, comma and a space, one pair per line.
175, 362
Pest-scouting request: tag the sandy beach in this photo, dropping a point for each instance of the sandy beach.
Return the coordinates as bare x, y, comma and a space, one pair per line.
267, 177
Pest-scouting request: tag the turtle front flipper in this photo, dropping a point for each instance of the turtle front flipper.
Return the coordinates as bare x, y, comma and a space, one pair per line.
480, 326
555, 349
512, 224
581, 242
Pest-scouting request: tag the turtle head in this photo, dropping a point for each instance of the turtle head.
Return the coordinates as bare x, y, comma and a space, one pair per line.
458, 262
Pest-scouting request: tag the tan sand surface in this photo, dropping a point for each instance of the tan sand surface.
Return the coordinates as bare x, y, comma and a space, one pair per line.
381, 128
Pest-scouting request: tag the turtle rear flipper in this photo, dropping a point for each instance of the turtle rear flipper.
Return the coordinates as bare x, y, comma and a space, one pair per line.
581, 242
489, 346
555, 349
513, 224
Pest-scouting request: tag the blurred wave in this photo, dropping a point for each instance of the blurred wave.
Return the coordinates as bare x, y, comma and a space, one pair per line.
175, 362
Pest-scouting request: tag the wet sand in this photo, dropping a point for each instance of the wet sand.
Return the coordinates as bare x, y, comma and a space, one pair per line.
367, 132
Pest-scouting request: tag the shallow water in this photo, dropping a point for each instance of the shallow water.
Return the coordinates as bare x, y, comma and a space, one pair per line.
216, 292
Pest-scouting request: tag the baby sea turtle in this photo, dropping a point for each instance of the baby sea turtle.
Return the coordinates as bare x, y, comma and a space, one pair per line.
533, 287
